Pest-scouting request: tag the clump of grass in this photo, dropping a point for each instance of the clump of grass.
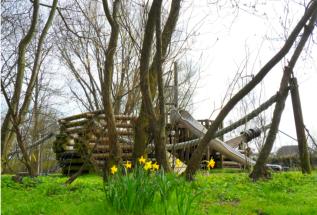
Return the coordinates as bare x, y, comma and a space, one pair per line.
131, 193
55, 189
166, 185
185, 198
147, 187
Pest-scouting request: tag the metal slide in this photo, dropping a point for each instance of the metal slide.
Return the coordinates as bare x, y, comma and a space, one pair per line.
184, 118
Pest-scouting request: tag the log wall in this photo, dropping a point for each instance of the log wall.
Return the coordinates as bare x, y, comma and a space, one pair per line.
84, 136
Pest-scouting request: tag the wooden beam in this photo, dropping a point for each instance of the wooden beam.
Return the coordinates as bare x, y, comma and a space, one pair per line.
300, 128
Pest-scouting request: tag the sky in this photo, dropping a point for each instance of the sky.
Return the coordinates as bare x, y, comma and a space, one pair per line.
228, 39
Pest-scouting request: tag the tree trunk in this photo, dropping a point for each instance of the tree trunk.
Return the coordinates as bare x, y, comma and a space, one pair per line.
147, 113
8, 135
114, 145
198, 153
21, 144
142, 136
35, 130
7, 124
159, 133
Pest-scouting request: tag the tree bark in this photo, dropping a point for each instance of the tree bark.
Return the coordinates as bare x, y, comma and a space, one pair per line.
114, 145
21, 144
34, 75
198, 153
142, 136
7, 123
35, 130
160, 124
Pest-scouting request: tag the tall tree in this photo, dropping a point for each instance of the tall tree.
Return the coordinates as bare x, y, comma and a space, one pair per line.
157, 123
159, 126
142, 129
15, 112
114, 145
7, 123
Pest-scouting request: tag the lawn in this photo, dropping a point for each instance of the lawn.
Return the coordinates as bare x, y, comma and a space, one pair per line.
217, 193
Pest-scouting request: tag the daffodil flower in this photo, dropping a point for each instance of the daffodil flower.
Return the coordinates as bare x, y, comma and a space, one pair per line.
211, 164
148, 165
114, 169
178, 163
142, 160
155, 166
128, 165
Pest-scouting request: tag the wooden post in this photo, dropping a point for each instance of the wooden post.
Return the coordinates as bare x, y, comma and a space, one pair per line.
220, 161
300, 128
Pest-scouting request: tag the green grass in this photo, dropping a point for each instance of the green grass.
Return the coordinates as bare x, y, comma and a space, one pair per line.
234, 193
220, 193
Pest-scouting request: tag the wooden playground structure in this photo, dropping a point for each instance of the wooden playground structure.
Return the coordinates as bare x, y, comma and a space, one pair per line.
84, 136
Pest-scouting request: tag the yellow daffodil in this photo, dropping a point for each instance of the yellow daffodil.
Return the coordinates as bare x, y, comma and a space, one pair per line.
148, 165
178, 163
155, 166
114, 169
211, 163
142, 160
128, 165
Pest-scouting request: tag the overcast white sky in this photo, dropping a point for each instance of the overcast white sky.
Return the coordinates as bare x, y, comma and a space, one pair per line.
227, 35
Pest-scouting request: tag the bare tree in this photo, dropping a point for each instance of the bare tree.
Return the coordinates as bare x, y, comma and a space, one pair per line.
114, 145
16, 113
157, 123
142, 130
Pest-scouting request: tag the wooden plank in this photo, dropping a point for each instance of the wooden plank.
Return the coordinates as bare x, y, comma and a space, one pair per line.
119, 125
106, 155
73, 117
118, 117
68, 148
105, 147
76, 123
72, 161
232, 164
76, 130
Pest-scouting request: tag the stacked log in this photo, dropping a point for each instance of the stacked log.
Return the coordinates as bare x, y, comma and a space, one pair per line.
83, 138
